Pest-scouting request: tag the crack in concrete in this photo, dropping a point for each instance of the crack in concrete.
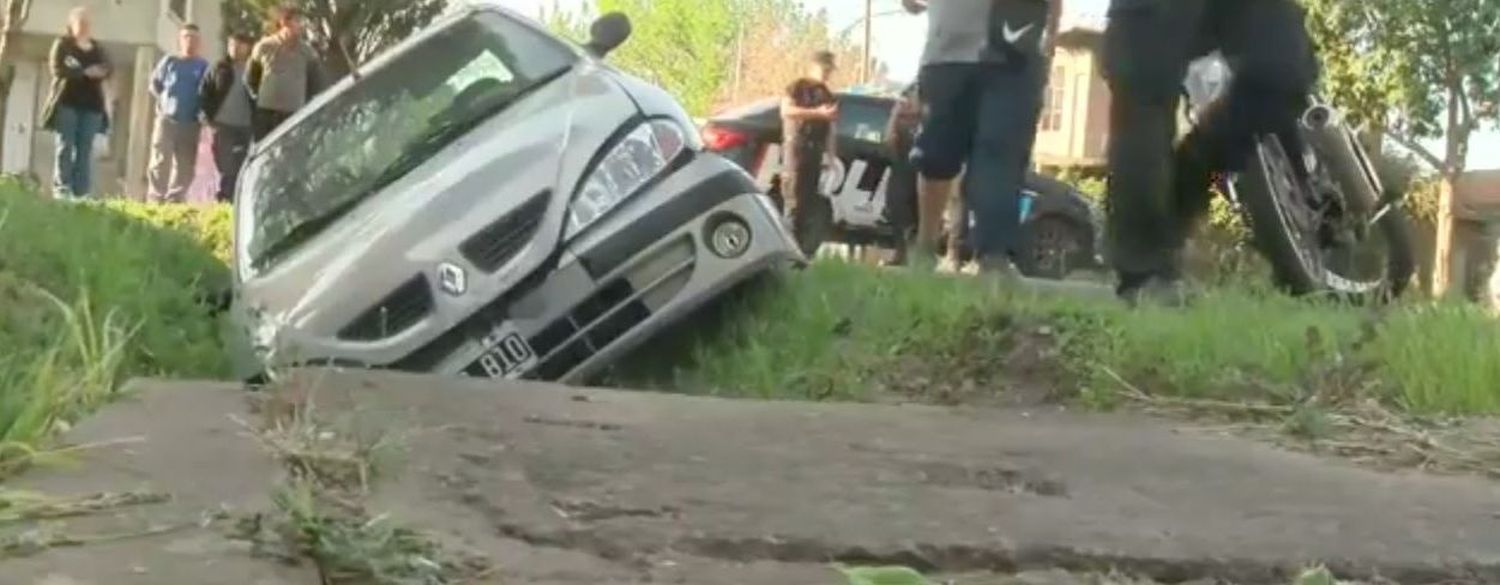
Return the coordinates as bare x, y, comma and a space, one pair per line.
592, 511
587, 519
996, 479
971, 558
961, 558
577, 424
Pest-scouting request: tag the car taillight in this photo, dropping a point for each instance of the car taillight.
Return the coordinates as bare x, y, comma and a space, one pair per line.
720, 139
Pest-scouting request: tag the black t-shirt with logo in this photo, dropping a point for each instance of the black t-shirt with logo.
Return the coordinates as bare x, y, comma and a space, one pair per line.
1018, 29
808, 136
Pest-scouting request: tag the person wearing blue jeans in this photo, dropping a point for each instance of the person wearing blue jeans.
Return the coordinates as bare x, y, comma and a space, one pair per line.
983, 73
75, 106
174, 145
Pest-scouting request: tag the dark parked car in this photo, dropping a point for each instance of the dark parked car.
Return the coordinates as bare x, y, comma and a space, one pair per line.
1060, 224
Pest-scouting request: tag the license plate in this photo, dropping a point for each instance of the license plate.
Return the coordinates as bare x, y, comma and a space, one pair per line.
506, 354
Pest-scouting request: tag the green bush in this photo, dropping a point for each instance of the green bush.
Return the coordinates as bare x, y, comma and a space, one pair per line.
211, 226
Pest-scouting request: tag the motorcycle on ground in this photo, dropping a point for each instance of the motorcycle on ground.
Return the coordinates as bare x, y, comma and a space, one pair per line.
1338, 233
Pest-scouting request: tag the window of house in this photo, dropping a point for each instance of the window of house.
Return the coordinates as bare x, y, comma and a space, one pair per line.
1054, 101
178, 9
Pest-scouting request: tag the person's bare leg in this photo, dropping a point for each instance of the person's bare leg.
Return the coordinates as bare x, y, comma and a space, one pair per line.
957, 225
932, 198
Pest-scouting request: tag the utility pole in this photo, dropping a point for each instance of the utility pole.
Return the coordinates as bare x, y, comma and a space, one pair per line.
865, 66
739, 61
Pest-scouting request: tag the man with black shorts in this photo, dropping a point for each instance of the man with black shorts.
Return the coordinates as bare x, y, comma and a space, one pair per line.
1148, 46
808, 113
983, 72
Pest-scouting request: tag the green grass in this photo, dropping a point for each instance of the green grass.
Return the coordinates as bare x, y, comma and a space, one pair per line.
848, 332
91, 295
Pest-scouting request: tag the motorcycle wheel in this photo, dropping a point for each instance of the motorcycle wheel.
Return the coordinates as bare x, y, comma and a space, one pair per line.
1294, 236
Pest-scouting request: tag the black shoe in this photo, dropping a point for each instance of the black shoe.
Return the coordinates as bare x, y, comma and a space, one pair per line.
1157, 290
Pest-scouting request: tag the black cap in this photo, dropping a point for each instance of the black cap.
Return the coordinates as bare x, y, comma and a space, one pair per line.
825, 58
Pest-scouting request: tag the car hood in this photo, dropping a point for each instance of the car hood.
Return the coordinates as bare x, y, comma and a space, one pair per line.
540, 146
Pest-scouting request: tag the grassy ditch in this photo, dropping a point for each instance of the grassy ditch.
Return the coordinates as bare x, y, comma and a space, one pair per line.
1382, 385
92, 294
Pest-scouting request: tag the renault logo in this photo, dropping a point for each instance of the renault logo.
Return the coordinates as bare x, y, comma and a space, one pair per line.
452, 279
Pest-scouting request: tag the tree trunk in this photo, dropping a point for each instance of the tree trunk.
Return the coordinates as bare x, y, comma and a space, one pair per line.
1443, 264
16, 12
1453, 165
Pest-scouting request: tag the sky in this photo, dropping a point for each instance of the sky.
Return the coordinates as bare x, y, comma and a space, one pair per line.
898, 37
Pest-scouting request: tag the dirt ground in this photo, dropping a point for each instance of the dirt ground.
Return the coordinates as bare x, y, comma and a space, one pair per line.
555, 485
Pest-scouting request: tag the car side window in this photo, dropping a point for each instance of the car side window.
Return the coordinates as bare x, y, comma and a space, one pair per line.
863, 121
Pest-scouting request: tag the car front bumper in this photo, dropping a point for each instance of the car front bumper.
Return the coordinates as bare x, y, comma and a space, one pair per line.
639, 270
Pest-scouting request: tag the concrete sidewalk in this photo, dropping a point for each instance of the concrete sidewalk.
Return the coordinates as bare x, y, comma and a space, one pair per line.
561, 485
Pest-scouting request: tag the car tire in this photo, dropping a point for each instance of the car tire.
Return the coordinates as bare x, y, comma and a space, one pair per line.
1052, 246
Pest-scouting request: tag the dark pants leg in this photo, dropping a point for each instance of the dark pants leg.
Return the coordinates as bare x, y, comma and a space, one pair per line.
1008, 108
231, 146
901, 198
1147, 49
800, 194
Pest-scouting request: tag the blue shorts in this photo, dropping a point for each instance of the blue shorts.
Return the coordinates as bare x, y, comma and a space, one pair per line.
982, 117
969, 106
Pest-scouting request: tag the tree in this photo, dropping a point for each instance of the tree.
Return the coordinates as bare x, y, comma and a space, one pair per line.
682, 45
712, 53
776, 37
16, 13
345, 33
1416, 70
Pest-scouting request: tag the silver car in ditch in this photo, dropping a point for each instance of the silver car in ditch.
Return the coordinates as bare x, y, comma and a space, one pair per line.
487, 199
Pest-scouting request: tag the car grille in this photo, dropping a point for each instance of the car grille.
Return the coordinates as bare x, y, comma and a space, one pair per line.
611, 312
621, 304
495, 245
397, 312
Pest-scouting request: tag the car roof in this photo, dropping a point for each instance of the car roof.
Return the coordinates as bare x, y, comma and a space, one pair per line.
767, 106
455, 13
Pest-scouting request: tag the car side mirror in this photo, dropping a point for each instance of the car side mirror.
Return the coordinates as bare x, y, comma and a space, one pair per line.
608, 33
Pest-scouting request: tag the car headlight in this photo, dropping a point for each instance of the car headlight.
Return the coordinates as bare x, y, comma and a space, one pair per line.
639, 157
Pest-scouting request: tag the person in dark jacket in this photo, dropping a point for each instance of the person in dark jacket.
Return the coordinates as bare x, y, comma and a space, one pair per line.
75, 107
230, 109
809, 112
1156, 197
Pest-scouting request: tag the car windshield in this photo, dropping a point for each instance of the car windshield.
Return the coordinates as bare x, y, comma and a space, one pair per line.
389, 121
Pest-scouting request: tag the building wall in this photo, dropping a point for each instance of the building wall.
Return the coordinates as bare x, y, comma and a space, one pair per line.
1074, 129
134, 22
134, 35
115, 21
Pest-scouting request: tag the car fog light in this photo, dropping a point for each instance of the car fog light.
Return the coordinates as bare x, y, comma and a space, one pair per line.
729, 238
